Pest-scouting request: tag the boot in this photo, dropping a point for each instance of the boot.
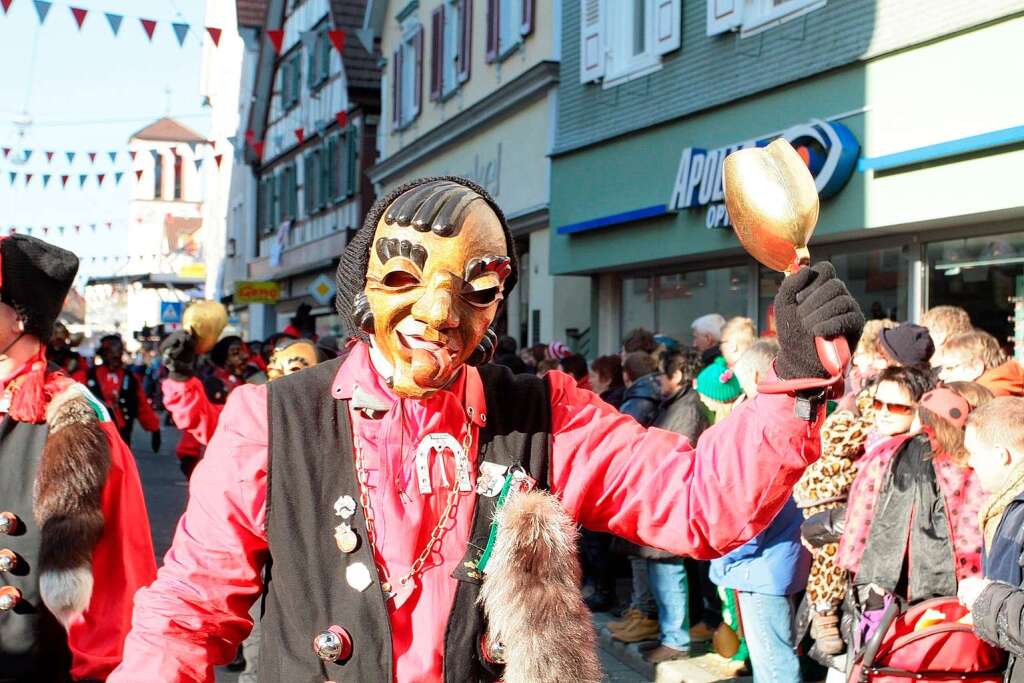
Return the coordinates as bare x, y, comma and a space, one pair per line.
825, 631
627, 619
643, 628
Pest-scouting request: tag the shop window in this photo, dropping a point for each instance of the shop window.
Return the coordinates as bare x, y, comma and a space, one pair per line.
984, 276
754, 16
626, 39
407, 76
637, 304
681, 298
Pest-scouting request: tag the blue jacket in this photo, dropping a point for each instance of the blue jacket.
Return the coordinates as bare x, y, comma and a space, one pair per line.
1002, 559
642, 399
773, 563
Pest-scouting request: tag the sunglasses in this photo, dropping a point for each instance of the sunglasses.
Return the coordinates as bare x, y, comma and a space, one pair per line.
892, 408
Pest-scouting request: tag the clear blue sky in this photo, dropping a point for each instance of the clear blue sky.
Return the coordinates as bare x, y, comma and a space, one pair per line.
89, 91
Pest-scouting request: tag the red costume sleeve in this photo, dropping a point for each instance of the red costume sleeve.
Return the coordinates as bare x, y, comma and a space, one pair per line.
148, 418
653, 487
122, 563
197, 610
190, 409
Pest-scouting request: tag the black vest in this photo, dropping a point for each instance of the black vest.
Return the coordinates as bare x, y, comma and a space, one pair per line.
127, 396
33, 644
311, 464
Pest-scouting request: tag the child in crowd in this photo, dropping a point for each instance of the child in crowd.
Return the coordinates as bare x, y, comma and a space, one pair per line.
719, 390
868, 358
911, 526
977, 357
995, 442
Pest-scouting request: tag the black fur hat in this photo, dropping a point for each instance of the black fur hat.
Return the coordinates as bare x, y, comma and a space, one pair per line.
35, 277
429, 204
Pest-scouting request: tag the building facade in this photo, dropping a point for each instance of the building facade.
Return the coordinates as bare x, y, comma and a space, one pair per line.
470, 88
903, 111
308, 137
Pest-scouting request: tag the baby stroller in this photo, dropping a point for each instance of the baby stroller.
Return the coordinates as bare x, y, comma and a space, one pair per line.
932, 647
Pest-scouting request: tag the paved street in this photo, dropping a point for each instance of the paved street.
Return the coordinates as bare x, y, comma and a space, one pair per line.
166, 494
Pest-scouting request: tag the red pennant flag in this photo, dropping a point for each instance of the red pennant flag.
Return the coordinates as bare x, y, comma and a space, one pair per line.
49, 157
78, 229
138, 174
249, 137
276, 38
6, 151
337, 38
92, 157
46, 230
342, 118
6, 4
217, 158
109, 225
64, 180
214, 35
28, 178
300, 134
100, 177
258, 148
131, 153
148, 26
79, 15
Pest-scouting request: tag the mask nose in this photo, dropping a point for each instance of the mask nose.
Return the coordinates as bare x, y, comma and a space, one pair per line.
436, 308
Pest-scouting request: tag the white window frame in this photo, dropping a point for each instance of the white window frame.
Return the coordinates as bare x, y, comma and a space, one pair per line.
407, 111
761, 15
450, 43
510, 22
621, 64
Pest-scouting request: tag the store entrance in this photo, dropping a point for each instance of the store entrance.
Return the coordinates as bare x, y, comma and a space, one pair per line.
985, 277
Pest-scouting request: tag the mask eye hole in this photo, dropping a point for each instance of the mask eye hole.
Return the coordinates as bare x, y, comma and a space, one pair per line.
481, 297
399, 279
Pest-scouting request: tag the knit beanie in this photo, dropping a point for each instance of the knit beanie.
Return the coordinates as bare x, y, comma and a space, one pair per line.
718, 382
908, 344
35, 277
351, 274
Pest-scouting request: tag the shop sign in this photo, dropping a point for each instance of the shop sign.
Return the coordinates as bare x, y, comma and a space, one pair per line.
828, 148
257, 292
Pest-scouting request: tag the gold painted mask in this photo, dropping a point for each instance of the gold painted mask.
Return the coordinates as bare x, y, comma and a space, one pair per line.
434, 282
298, 355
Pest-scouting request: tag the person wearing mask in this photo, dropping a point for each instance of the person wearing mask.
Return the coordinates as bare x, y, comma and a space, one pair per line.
977, 357
707, 335
75, 542
994, 440
60, 350
607, 381
680, 413
121, 392
944, 323
738, 335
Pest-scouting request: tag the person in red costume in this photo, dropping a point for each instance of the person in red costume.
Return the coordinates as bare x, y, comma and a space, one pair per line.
121, 392
60, 350
357, 499
74, 536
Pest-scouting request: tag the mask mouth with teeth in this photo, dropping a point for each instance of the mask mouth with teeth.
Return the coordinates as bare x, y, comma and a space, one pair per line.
423, 280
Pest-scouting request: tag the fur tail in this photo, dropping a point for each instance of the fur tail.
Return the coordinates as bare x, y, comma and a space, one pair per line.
531, 595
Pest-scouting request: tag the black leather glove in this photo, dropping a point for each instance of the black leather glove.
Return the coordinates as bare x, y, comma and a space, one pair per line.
824, 527
155, 440
179, 355
811, 303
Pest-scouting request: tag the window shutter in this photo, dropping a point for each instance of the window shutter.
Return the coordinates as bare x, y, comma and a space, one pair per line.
325, 177
526, 27
724, 15
325, 56
297, 85
417, 90
668, 25
293, 190
353, 162
396, 87
436, 52
307, 183
311, 76
332, 171
591, 40
276, 212
493, 29
465, 41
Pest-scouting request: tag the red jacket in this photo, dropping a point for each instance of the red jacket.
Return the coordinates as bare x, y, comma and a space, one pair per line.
193, 413
109, 383
649, 486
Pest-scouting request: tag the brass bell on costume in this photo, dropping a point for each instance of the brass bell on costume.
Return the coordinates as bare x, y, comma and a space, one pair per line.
8, 560
206, 320
333, 645
8, 523
9, 598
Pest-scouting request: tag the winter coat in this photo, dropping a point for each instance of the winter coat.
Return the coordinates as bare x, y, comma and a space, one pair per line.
681, 413
773, 563
1004, 380
614, 396
642, 399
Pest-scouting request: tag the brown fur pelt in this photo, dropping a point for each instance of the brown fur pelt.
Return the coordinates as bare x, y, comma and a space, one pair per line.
68, 503
531, 595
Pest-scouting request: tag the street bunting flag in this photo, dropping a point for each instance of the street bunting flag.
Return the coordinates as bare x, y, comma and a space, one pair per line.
180, 31
6, 4
113, 156
337, 38
300, 135
13, 176
115, 21
99, 178
64, 180
214, 35
28, 179
138, 175
81, 180
70, 156
79, 15
276, 38
6, 151
42, 9
46, 179
217, 159
342, 118
117, 177
148, 25
49, 157
28, 154
131, 154
92, 157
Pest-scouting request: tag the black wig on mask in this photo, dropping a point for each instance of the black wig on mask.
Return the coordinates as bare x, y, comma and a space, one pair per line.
219, 352
428, 204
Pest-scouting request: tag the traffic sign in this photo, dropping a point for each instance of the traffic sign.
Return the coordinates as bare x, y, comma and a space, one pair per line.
171, 311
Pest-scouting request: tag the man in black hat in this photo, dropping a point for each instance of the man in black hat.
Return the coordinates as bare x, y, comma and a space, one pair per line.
121, 391
74, 536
